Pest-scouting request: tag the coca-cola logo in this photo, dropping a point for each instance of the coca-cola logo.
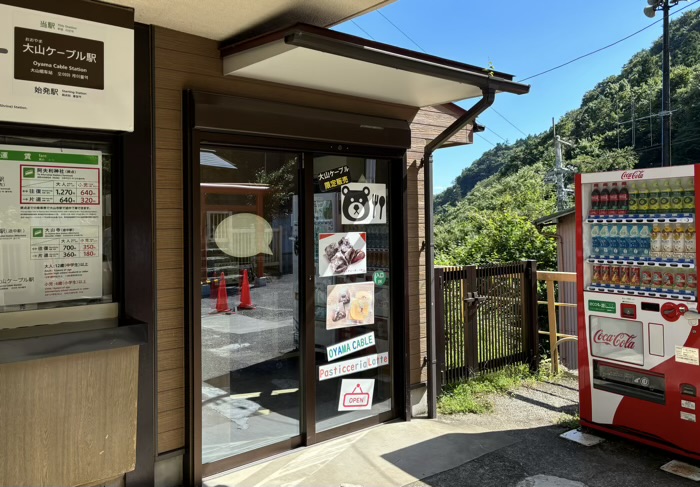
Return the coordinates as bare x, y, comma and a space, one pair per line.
633, 175
621, 340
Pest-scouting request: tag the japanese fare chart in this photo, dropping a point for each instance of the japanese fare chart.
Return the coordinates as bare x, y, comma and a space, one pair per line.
50, 225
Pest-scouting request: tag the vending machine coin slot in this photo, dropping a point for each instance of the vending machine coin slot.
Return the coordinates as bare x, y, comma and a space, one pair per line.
650, 307
688, 390
628, 310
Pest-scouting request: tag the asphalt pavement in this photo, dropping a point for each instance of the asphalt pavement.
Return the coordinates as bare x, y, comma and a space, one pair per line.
538, 457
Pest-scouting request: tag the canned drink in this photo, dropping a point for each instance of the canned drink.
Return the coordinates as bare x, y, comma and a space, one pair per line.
595, 280
667, 277
691, 280
679, 283
646, 279
657, 278
635, 276
605, 274
615, 274
624, 275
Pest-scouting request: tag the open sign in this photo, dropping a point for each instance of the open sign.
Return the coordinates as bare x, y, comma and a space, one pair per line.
356, 394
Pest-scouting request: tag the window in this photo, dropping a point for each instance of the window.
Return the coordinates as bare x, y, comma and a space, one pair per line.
56, 231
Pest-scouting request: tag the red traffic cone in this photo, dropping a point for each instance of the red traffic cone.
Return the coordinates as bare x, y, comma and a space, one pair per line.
222, 298
246, 302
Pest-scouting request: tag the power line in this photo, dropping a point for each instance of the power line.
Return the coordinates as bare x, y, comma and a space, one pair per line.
514, 126
608, 46
405, 35
363, 30
487, 140
494, 133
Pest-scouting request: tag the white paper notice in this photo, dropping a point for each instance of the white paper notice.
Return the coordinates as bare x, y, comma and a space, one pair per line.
356, 394
687, 416
688, 404
686, 355
50, 225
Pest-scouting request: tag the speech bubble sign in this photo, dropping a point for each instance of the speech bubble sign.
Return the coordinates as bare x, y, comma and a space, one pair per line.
244, 235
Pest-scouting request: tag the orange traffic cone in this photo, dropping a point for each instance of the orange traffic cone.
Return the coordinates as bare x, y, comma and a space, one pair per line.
246, 302
222, 298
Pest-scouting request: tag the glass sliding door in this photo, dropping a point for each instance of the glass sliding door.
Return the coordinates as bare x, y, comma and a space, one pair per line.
352, 322
249, 276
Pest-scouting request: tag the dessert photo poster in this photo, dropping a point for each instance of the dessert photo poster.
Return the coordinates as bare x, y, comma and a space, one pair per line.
350, 304
342, 254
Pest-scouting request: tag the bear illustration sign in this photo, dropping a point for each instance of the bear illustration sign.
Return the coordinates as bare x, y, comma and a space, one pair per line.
363, 203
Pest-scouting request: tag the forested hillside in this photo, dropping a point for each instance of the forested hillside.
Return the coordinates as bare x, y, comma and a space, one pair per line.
486, 215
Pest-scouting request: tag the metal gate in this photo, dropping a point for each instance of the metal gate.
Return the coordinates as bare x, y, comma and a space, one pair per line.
485, 319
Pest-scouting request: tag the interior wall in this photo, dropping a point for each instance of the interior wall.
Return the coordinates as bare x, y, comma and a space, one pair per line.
184, 62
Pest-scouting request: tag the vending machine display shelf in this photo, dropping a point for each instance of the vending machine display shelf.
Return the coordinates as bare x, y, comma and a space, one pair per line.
670, 218
676, 264
636, 292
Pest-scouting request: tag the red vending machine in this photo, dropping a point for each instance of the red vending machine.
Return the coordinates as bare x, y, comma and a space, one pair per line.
639, 340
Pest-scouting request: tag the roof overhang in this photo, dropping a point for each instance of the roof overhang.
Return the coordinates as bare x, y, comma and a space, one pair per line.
320, 59
243, 19
554, 218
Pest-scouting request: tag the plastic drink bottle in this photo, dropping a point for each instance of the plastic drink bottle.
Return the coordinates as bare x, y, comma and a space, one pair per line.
623, 200
633, 198
642, 197
665, 196
595, 200
623, 241
678, 241
676, 196
633, 248
656, 241
604, 200
653, 197
688, 196
689, 241
666, 241
595, 240
613, 200
604, 240
613, 241
645, 240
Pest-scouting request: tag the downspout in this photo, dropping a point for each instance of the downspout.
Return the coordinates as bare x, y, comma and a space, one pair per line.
489, 96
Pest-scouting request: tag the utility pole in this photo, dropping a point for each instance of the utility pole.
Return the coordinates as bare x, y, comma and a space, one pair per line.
560, 171
666, 94
650, 11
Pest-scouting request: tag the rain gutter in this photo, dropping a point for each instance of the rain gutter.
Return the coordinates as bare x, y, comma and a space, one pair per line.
489, 96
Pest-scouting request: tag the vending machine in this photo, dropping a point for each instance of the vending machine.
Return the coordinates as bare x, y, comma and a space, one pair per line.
639, 340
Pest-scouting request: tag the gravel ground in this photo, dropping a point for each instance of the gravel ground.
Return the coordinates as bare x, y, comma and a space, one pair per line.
527, 407
539, 458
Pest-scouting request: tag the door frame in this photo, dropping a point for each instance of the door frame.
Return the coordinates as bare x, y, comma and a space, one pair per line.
194, 470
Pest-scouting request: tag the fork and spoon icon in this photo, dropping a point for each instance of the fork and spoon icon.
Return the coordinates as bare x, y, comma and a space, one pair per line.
378, 200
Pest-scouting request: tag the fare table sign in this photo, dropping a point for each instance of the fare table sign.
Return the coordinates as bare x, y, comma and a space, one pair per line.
50, 225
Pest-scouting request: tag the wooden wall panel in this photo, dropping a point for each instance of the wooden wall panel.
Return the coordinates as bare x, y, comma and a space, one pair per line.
182, 62
75, 425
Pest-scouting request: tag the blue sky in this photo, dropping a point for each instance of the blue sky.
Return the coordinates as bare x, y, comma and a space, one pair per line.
521, 38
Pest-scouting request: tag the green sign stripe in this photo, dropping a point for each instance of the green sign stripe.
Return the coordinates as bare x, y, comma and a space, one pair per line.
602, 306
53, 157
